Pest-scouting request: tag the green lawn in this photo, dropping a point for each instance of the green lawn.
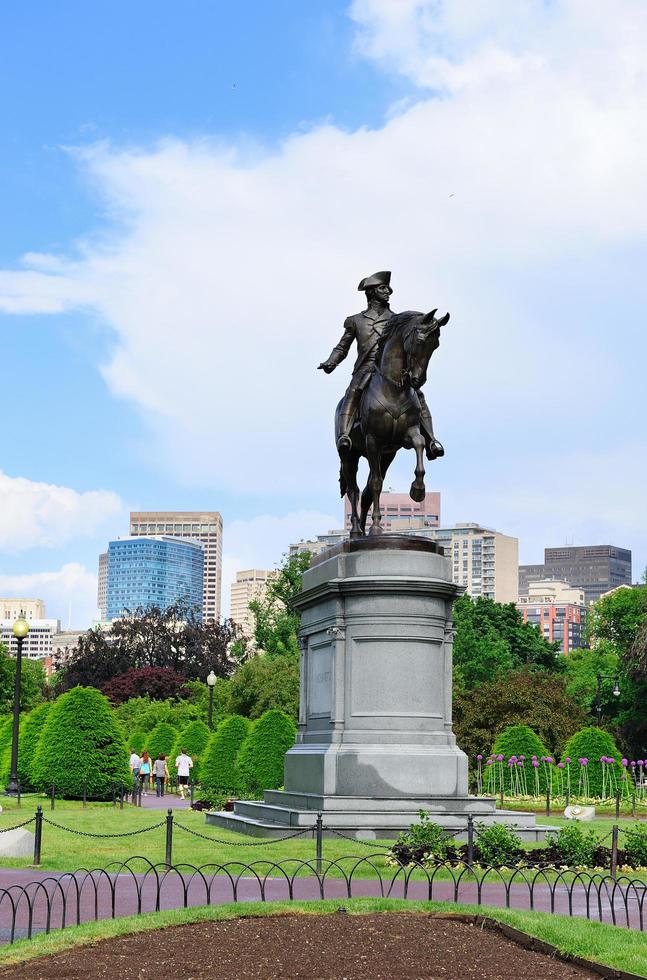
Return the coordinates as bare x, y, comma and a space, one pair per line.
65, 851
617, 948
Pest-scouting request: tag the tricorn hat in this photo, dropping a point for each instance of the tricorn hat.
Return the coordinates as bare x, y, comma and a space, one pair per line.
377, 279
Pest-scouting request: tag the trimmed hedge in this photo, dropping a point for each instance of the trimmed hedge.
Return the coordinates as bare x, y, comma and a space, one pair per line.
137, 741
260, 761
31, 727
194, 738
591, 743
6, 732
219, 773
518, 740
161, 739
81, 744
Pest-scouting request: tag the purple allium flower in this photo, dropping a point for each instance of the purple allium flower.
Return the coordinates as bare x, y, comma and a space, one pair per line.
513, 758
549, 758
523, 758
510, 762
488, 762
535, 763
640, 762
500, 758
567, 760
534, 757
479, 757
560, 765
520, 763
624, 762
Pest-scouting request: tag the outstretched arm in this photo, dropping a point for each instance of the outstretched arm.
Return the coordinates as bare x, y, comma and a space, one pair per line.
339, 352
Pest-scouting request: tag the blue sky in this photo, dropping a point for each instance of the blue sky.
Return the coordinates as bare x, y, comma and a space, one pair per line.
189, 196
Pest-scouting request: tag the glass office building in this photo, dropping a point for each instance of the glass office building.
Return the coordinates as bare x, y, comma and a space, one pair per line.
153, 571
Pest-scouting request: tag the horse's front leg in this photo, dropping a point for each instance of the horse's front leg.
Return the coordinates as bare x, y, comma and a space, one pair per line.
417, 491
375, 480
349, 464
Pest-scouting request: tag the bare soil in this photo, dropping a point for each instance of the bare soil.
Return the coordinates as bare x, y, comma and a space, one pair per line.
318, 947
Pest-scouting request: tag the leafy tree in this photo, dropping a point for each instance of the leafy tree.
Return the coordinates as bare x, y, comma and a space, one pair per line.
582, 668
615, 618
31, 727
143, 714
534, 698
194, 738
492, 639
276, 623
159, 683
260, 760
219, 772
161, 740
81, 744
137, 741
264, 682
32, 684
173, 638
592, 744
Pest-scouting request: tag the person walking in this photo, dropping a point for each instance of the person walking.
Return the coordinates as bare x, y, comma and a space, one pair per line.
161, 774
145, 772
134, 762
184, 765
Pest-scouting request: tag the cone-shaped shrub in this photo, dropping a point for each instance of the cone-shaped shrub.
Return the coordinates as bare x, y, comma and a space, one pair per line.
260, 760
31, 726
6, 732
518, 743
219, 773
194, 738
81, 743
161, 739
137, 741
601, 778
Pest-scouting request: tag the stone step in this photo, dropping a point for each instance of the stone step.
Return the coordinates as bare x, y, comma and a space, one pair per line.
432, 805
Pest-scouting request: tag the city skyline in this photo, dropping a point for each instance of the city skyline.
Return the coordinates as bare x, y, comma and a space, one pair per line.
162, 240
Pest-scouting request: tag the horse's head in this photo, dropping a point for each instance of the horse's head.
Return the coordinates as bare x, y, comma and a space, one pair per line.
421, 340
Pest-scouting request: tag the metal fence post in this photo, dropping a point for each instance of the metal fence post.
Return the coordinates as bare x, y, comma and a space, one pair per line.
614, 850
169, 838
548, 800
38, 834
18, 795
114, 795
139, 795
191, 790
501, 794
53, 796
85, 792
470, 839
319, 833
633, 805
618, 805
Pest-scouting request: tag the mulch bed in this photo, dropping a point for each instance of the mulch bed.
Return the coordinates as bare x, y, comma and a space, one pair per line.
326, 947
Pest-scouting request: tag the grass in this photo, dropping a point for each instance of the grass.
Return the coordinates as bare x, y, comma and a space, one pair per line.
65, 851
616, 948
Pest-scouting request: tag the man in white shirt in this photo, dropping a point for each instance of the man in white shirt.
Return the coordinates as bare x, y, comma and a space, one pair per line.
183, 764
134, 762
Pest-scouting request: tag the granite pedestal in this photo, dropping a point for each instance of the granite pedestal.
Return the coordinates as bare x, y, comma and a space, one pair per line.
375, 742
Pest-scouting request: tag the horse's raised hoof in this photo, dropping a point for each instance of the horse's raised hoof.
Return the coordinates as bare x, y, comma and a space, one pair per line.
375, 529
417, 492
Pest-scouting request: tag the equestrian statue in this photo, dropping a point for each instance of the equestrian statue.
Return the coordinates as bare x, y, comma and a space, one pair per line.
384, 409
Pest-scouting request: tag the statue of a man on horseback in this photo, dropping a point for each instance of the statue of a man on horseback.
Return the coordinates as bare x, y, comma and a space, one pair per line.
383, 409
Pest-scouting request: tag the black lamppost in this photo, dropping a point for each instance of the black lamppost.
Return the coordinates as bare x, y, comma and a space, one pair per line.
211, 681
20, 631
598, 699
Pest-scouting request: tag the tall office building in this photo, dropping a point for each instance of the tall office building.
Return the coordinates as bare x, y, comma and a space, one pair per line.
203, 526
594, 568
397, 507
558, 609
102, 586
37, 645
153, 571
250, 584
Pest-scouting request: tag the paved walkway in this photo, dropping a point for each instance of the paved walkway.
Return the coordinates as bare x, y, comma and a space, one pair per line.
68, 899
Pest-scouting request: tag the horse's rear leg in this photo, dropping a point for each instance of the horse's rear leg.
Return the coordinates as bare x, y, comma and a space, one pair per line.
350, 462
417, 491
375, 482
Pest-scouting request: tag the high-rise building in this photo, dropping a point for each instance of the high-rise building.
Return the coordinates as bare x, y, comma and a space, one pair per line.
396, 507
29, 608
153, 571
203, 526
250, 584
38, 643
558, 609
594, 568
102, 585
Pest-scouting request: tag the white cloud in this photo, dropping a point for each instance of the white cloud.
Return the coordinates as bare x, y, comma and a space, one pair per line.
45, 515
69, 592
516, 200
261, 541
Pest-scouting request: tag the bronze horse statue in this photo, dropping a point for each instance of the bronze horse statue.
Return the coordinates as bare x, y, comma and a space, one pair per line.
389, 415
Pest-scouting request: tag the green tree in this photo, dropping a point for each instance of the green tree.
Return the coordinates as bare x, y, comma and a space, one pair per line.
492, 639
264, 682
32, 683
31, 726
219, 771
524, 697
142, 714
194, 738
276, 622
260, 760
81, 744
137, 741
582, 669
161, 740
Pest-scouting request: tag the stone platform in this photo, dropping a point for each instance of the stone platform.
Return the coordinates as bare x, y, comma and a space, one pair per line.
375, 742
